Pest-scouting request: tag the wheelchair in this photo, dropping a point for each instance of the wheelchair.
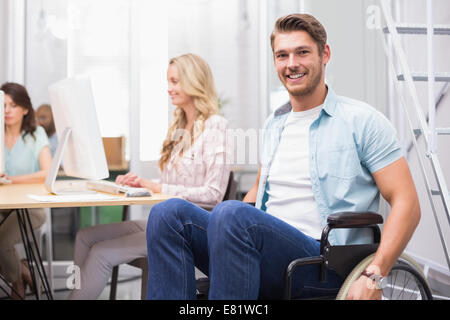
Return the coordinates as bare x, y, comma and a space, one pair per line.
404, 282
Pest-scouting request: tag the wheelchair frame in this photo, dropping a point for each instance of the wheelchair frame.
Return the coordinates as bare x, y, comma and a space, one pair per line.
344, 259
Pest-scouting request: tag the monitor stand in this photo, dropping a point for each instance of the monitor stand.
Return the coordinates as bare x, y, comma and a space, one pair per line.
69, 188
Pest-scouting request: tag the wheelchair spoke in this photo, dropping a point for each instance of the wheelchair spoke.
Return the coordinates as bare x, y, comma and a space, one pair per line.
405, 281
403, 285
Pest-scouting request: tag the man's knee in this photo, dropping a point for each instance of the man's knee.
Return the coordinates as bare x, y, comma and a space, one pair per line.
163, 214
165, 209
229, 213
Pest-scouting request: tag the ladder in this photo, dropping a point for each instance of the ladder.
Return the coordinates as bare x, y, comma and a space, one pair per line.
424, 124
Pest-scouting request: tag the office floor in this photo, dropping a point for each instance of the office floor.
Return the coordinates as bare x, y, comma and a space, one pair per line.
126, 290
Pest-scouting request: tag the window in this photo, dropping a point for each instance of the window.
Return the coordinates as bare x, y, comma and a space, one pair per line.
122, 46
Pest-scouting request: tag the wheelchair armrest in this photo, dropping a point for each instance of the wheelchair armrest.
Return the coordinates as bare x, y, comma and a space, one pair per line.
353, 219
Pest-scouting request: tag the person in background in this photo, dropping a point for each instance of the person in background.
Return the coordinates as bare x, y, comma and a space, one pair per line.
27, 160
193, 165
44, 118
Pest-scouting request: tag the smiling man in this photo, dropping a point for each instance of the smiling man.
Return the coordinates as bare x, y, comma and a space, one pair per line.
321, 154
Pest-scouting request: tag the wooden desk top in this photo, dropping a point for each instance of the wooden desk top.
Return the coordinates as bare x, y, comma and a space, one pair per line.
15, 196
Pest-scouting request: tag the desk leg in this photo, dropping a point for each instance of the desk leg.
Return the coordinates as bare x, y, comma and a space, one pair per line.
115, 271
32, 252
95, 216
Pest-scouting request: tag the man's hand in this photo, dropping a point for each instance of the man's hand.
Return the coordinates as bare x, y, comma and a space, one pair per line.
397, 187
363, 289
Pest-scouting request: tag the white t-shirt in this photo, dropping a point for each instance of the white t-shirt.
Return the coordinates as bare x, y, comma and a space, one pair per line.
291, 198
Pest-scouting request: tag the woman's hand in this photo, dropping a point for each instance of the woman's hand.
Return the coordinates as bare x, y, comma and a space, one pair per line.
5, 176
133, 180
130, 179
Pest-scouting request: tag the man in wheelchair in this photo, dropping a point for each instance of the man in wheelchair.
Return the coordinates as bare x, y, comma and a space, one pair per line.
322, 154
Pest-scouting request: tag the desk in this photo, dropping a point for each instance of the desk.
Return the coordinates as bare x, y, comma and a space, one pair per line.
15, 197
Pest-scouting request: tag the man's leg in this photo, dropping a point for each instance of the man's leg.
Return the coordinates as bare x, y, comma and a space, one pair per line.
249, 251
176, 242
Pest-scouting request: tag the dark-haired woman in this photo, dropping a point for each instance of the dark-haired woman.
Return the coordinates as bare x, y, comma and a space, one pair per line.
27, 159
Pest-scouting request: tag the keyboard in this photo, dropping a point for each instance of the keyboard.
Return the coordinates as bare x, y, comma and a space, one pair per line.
114, 188
3, 180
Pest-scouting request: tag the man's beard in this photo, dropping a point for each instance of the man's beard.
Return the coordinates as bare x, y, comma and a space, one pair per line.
311, 85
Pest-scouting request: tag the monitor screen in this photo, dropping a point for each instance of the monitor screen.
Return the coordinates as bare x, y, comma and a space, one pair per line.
83, 155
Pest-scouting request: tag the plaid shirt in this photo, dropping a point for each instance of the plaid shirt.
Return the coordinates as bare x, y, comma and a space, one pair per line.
201, 174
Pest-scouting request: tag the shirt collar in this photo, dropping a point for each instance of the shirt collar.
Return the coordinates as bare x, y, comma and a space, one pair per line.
329, 105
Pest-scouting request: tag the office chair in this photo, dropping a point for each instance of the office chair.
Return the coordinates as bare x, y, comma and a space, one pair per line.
142, 263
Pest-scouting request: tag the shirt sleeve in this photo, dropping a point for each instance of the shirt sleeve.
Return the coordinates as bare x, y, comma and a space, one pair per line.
216, 159
380, 146
40, 142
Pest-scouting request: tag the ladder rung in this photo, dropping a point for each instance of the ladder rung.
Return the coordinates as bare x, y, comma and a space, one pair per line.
422, 76
443, 131
420, 29
436, 192
440, 131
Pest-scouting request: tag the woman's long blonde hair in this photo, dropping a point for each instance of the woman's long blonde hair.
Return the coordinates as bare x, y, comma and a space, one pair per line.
197, 81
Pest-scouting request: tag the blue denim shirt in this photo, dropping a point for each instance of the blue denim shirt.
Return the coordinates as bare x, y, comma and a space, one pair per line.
349, 141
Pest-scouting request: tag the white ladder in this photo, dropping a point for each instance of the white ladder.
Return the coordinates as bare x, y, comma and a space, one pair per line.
426, 124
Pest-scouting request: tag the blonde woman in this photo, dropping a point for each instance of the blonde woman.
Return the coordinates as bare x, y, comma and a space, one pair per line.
193, 165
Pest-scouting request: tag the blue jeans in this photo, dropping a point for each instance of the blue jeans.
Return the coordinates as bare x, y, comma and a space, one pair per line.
243, 250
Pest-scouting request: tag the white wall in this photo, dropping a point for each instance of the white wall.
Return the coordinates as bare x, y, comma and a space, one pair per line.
12, 47
3, 37
357, 66
225, 34
228, 35
46, 55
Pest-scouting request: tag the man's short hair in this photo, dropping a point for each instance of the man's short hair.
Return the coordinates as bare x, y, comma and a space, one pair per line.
301, 22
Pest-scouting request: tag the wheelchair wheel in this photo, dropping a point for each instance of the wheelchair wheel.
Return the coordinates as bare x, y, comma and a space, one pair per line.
405, 281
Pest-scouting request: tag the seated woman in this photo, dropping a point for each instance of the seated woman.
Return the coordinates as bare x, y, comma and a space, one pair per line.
27, 159
44, 118
193, 165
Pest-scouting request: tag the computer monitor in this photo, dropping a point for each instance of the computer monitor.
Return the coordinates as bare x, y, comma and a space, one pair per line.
80, 146
2, 132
